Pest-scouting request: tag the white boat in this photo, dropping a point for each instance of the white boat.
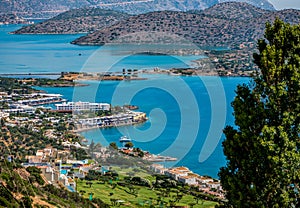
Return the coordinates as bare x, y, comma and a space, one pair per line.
124, 139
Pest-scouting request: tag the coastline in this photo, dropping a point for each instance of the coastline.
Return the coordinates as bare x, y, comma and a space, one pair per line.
116, 76
63, 85
83, 129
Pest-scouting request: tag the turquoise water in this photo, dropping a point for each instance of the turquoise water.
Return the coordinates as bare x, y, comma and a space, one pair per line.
186, 114
40, 53
64, 172
161, 133
54, 53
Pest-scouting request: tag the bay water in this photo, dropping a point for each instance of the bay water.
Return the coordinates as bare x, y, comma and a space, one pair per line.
186, 114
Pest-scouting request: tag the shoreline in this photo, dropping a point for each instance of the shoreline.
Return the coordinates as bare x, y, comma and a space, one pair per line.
64, 85
77, 81
79, 130
190, 72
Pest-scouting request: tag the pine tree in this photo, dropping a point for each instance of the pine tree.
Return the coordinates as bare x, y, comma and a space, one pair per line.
262, 151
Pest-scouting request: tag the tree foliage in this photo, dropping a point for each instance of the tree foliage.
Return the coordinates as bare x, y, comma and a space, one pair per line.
262, 152
129, 145
113, 146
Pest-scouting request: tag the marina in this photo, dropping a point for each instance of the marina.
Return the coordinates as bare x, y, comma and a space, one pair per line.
119, 119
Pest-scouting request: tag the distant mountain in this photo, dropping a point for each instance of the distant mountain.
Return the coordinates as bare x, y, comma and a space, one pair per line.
146, 6
264, 4
226, 24
179, 5
233, 11
75, 21
50, 8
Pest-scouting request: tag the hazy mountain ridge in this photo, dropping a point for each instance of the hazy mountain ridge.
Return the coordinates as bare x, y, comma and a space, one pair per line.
50, 8
208, 28
75, 21
162, 5
232, 10
264, 4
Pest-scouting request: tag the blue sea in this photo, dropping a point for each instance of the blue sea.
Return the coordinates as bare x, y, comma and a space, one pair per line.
186, 114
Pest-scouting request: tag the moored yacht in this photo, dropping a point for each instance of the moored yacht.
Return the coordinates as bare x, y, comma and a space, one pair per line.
125, 139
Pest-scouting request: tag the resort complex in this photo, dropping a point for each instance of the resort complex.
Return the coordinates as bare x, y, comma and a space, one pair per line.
82, 106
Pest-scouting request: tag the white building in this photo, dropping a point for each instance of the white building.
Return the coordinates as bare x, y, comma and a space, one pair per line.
214, 185
18, 108
204, 180
82, 106
189, 179
177, 172
41, 101
158, 168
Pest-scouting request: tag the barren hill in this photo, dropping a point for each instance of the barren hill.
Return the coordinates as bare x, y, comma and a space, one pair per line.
226, 24
233, 10
75, 21
50, 8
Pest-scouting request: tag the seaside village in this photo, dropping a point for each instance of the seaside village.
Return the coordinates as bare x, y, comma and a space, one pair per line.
59, 166
58, 169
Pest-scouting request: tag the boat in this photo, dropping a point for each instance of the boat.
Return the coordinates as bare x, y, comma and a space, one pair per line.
131, 107
84, 140
124, 139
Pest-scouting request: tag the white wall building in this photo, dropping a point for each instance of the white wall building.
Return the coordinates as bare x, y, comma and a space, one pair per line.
214, 185
191, 180
204, 180
82, 106
18, 108
177, 172
157, 168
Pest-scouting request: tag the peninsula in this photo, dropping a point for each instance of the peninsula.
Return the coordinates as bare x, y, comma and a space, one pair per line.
227, 24
83, 20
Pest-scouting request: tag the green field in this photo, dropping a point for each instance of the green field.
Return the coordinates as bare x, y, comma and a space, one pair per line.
145, 196
137, 196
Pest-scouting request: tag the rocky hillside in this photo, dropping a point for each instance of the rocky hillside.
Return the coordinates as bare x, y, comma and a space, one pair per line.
226, 24
50, 8
20, 187
75, 21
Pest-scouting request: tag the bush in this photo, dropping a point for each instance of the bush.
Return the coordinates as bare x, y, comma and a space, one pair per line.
4, 202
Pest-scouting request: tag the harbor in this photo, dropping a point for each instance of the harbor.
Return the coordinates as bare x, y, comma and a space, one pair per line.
119, 119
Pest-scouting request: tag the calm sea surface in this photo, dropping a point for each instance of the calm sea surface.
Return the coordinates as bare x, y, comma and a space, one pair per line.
186, 114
